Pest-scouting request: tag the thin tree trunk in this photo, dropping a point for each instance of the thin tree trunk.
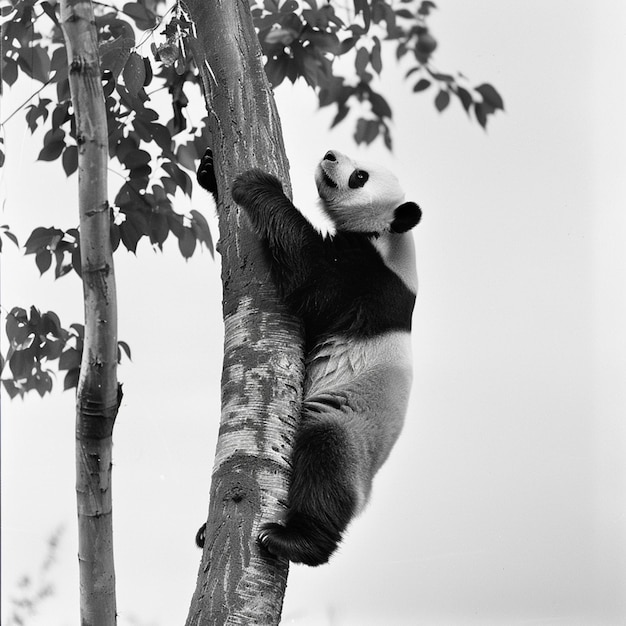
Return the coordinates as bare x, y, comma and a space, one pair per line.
263, 355
97, 396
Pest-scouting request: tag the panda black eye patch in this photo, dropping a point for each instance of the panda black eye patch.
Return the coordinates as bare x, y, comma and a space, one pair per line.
357, 179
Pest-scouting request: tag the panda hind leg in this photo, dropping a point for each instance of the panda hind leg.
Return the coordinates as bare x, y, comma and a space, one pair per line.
322, 495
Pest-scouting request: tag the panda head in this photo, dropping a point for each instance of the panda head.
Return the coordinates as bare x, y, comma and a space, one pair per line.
360, 197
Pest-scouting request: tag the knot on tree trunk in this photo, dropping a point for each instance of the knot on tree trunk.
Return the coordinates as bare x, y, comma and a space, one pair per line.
96, 419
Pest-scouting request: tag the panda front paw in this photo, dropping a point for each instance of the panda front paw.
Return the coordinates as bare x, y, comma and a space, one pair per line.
254, 185
206, 173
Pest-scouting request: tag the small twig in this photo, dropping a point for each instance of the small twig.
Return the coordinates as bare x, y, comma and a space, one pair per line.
27, 101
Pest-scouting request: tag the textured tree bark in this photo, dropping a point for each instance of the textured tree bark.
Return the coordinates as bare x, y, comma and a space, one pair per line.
263, 354
97, 399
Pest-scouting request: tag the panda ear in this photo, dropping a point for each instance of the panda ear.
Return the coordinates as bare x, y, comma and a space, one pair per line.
405, 217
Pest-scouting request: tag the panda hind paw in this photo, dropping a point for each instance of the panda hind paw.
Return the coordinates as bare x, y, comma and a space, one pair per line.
296, 546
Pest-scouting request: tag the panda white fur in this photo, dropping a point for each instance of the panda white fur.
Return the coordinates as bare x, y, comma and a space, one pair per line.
355, 292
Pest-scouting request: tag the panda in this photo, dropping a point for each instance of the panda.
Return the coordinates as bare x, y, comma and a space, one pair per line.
355, 292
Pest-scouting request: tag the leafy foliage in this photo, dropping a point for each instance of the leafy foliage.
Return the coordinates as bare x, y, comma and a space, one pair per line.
152, 154
35, 341
300, 39
306, 38
32, 590
6, 232
337, 48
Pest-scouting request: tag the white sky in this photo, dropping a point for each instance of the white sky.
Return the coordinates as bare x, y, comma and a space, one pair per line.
504, 501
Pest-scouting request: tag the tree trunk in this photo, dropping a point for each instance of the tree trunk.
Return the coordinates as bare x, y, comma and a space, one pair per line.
97, 395
263, 353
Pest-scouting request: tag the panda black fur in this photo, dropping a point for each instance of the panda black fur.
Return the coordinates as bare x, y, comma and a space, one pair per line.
355, 292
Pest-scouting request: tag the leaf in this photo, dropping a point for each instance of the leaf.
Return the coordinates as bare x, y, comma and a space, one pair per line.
187, 155
366, 131
401, 50
43, 383
136, 159
481, 113
134, 73
36, 111
70, 160
52, 325
9, 70
201, 229
63, 90
442, 100
139, 13
347, 44
124, 346
276, 69
51, 348
387, 138
282, 36
49, 11
115, 237
180, 178
61, 114
289, 6
40, 63
361, 61
22, 362
465, 97
71, 379
444, 78
42, 237
421, 85
114, 54
9, 235
426, 7
159, 229
76, 260
162, 136
58, 64
11, 388
375, 58
17, 328
133, 228
380, 107
490, 96
70, 359
362, 6
79, 330
53, 145
187, 243
124, 147
43, 260
342, 111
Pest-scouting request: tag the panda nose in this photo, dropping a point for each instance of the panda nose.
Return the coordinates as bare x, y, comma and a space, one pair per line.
329, 156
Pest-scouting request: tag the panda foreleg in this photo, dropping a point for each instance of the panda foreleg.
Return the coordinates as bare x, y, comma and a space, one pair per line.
295, 246
323, 493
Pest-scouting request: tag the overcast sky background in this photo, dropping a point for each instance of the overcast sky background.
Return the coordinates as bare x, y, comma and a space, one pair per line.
504, 501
